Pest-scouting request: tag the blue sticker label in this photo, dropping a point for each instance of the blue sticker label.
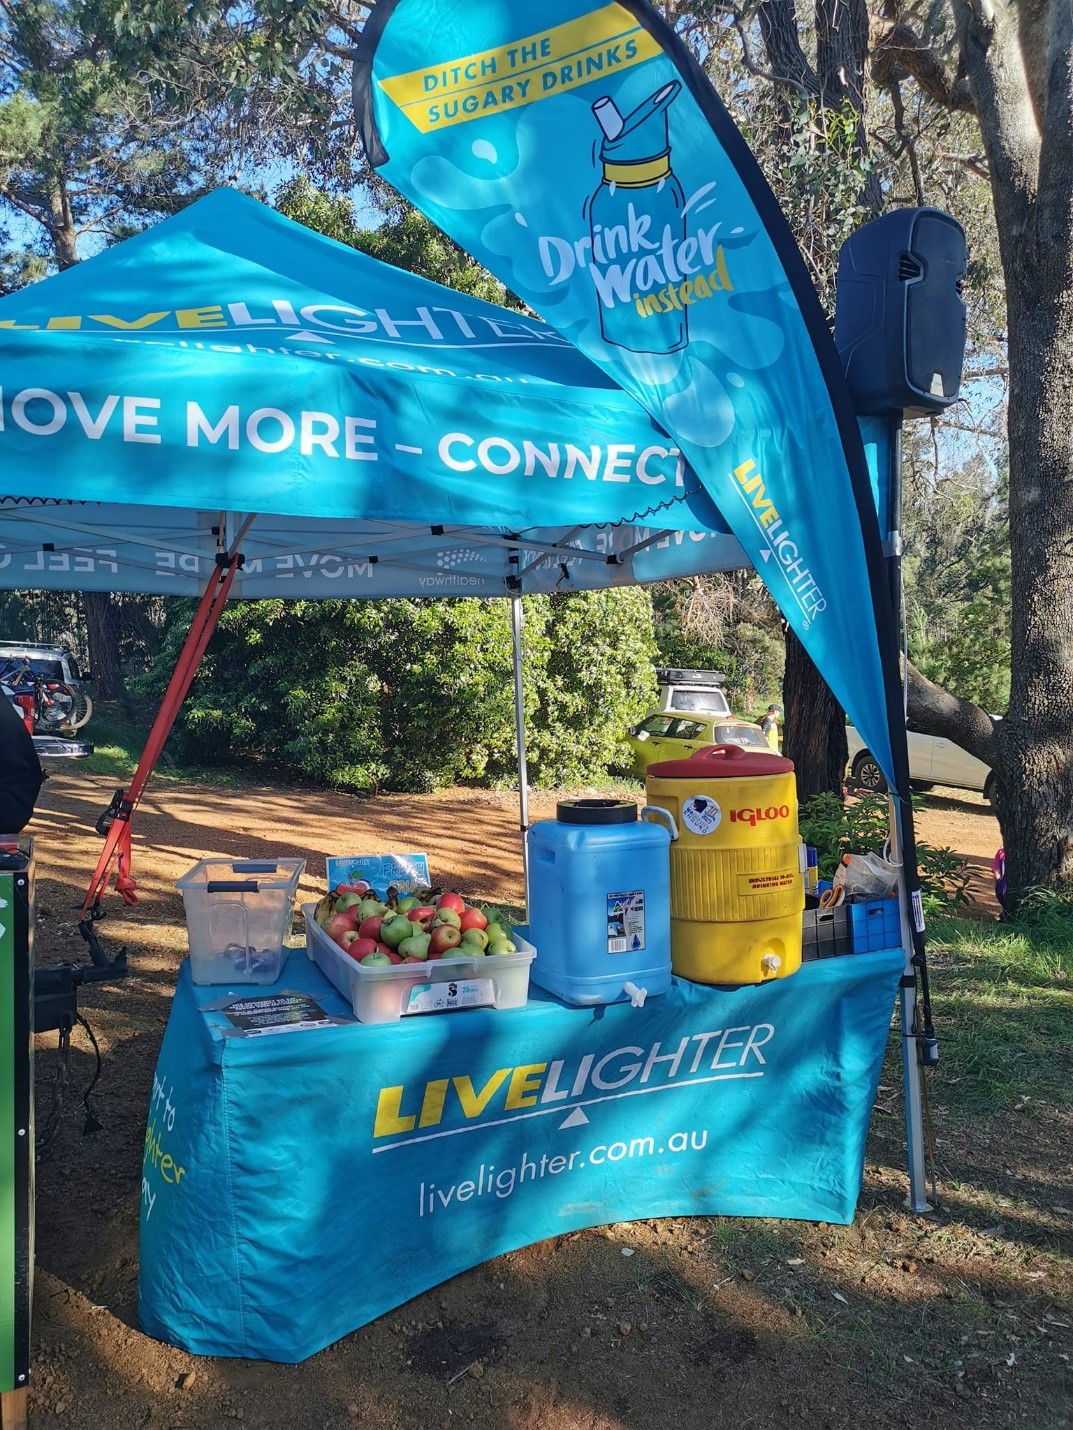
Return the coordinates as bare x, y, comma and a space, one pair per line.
626, 921
406, 871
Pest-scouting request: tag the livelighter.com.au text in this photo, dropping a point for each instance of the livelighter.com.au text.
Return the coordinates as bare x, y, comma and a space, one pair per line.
502, 1183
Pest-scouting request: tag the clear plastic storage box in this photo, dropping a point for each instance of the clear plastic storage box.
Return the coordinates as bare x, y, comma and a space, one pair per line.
237, 915
386, 994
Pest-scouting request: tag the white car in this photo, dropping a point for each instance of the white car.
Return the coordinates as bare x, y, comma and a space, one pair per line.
693, 690
932, 761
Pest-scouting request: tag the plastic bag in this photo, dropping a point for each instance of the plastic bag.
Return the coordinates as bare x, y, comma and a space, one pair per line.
998, 868
866, 876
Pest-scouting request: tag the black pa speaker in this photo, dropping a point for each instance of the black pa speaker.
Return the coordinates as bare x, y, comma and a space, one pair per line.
899, 315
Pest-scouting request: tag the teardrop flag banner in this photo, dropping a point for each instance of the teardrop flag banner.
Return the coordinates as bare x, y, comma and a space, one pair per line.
585, 159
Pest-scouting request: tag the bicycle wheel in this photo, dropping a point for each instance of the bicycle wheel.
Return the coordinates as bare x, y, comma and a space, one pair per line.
83, 710
55, 705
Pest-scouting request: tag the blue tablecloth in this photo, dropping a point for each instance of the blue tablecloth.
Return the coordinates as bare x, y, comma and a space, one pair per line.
299, 1184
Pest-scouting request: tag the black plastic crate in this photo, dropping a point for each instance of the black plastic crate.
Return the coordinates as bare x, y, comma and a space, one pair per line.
825, 933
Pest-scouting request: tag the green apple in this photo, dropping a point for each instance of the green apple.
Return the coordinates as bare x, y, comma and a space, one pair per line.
375, 960
395, 929
501, 945
410, 902
475, 940
416, 946
342, 902
448, 916
370, 908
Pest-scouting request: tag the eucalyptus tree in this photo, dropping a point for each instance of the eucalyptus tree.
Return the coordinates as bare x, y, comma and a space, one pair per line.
1010, 67
971, 102
114, 113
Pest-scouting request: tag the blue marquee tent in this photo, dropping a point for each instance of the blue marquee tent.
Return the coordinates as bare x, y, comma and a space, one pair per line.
387, 436
229, 381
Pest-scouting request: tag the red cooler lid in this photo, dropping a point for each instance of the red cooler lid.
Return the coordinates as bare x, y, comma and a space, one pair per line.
721, 762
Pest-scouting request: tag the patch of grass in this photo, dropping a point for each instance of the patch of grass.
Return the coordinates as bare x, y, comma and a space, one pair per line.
117, 744
752, 1241
1001, 995
118, 741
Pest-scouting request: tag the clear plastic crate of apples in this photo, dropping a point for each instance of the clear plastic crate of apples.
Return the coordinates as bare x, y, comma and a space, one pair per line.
410, 928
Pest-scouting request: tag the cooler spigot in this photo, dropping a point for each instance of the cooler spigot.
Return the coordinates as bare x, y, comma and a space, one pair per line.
636, 995
770, 965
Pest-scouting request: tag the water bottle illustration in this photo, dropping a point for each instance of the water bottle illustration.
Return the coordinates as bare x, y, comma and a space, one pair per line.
637, 224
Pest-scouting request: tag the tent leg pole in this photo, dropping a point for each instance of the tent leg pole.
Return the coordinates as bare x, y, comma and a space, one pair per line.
917, 1199
519, 722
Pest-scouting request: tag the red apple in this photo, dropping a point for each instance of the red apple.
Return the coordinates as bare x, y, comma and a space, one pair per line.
359, 947
473, 919
451, 901
339, 924
423, 915
444, 938
370, 928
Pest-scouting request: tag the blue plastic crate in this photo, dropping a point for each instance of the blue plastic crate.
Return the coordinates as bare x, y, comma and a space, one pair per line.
875, 924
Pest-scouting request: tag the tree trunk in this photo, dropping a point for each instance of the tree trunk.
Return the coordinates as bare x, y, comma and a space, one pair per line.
1018, 63
1034, 777
814, 726
103, 644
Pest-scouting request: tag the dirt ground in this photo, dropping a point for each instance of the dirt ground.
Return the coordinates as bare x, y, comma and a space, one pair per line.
956, 1318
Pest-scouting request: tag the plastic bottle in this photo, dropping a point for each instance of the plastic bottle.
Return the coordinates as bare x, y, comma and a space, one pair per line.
637, 224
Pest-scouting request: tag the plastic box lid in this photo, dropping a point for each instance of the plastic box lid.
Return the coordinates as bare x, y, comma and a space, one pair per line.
255, 874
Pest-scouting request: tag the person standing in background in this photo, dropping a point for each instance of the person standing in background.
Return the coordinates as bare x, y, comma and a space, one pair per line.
21, 774
770, 726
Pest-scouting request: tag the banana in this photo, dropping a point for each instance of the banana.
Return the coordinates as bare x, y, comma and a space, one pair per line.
324, 910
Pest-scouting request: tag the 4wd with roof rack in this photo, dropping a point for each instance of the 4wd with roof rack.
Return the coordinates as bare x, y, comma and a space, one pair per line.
699, 691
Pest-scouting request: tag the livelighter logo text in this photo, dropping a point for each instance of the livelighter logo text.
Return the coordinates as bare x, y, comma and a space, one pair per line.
645, 265
437, 1107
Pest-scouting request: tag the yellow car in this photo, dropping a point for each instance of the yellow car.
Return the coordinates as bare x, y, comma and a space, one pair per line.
675, 734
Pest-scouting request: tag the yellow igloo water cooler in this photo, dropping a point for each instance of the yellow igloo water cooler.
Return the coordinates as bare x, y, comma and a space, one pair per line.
737, 889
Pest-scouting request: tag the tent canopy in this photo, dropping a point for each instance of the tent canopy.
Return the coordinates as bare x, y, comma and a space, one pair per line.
387, 436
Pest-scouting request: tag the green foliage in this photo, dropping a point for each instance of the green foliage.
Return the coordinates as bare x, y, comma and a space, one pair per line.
958, 582
417, 695
405, 239
1046, 916
861, 826
116, 112
589, 675
723, 622
813, 160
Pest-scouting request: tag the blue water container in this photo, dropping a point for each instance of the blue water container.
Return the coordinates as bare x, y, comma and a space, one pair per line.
600, 902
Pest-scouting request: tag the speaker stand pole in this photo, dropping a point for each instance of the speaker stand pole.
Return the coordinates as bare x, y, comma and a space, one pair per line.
903, 846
